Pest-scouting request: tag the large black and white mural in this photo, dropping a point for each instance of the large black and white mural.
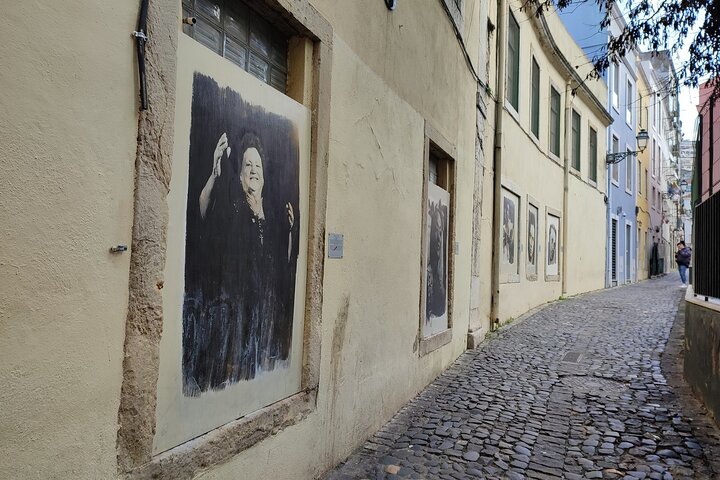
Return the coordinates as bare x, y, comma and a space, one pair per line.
241, 241
436, 269
234, 287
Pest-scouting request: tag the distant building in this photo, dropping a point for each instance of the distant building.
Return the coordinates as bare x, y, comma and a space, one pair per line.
658, 112
686, 160
706, 195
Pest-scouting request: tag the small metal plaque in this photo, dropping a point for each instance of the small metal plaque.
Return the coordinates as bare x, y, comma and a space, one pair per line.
335, 245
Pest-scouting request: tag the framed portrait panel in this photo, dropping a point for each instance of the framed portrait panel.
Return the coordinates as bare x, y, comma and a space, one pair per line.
552, 246
532, 240
509, 237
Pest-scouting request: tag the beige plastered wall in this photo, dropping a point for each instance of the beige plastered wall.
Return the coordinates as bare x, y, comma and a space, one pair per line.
68, 133
530, 170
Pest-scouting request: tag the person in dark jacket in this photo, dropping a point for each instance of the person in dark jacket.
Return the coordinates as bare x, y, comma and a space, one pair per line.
682, 257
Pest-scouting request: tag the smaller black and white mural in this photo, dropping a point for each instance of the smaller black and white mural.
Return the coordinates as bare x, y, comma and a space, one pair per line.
510, 238
437, 237
553, 226
532, 241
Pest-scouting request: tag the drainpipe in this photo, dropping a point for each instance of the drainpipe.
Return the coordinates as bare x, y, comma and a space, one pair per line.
566, 183
497, 164
608, 220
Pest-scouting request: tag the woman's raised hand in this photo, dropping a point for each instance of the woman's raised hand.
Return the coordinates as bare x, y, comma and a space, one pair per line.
291, 215
220, 148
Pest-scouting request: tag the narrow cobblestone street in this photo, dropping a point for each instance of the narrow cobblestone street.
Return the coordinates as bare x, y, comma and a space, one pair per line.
576, 390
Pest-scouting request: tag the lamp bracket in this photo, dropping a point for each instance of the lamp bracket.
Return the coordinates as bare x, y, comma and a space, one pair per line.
613, 158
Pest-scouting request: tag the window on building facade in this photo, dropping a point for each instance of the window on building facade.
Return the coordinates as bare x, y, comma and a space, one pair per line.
616, 86
592, 154
535, 107
628, 171
651, 112
659, 162
576, 140
629, 101
647, 182
513, 63
554, 121
639, 178
615, 169
233, 30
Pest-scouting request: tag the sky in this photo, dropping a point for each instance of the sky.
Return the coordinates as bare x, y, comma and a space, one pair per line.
688, 111
688, 99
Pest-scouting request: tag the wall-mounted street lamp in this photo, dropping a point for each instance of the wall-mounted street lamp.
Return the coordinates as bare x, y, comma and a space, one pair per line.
642, 141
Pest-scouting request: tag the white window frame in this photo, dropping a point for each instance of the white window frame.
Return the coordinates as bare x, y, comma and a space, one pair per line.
614, 169
629, 164
615, 86
629, 101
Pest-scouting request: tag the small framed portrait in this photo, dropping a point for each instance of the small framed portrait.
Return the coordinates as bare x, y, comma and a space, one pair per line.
509, 236
552, 248
531, 257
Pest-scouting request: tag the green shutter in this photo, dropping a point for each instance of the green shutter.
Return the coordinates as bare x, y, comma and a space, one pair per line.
592, 142
576, 140
554, 121
513, 62
535, 108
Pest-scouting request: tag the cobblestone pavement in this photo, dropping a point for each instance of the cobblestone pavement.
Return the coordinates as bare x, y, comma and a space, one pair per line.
573, 391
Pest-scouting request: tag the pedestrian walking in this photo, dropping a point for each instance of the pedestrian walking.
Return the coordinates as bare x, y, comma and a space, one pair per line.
682, 257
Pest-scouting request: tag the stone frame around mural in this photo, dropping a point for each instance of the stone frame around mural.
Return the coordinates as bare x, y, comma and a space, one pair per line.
436, 142
309, 60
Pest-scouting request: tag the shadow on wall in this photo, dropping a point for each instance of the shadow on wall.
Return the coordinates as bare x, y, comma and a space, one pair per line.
702, 351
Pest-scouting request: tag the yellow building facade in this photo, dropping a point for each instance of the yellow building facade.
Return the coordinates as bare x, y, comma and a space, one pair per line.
644, 167
552, 183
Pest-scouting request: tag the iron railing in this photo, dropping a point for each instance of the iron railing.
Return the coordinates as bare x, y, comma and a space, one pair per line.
706, 243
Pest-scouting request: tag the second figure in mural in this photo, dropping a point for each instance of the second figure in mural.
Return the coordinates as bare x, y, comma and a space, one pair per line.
508, 230
436, 270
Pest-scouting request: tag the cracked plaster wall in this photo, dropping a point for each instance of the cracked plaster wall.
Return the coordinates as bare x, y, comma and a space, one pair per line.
68, 130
